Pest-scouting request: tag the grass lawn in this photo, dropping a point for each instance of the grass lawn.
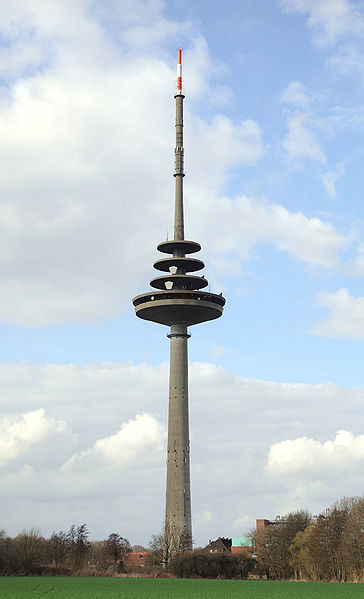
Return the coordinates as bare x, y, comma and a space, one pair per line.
154, 588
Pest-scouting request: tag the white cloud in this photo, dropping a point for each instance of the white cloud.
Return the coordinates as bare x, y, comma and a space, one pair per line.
238, 224
201, 72
356, 265
21, 434
76, 127
243, 522
328, 19
349, 61
346, 318
330, 177
216, 147
300, 142
331, 22
296, 94
73, 136
309, 456
206, 515
141, 438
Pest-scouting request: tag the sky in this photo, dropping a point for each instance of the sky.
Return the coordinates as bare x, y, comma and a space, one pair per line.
274, 122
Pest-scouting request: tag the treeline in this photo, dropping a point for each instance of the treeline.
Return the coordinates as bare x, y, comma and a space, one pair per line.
329, 547
65, 553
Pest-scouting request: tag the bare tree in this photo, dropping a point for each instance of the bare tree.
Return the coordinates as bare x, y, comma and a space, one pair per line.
9, 562
329, 540
117, 548
168, 544
353, 542
30, 550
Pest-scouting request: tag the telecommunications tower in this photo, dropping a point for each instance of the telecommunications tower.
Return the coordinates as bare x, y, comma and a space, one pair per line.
178, 302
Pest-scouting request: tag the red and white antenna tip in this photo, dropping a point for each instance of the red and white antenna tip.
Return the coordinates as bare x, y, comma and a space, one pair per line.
179, 71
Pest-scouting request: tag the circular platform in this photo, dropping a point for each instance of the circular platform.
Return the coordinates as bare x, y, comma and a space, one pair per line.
184, 282
179, 307
188, 247
187, 264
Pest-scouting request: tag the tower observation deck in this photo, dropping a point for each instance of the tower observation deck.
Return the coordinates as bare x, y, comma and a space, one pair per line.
178, 302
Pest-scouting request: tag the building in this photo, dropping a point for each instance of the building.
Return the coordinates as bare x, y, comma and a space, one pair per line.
242, 546
136, 559
221, 545
263, 522
235, 546
177, 301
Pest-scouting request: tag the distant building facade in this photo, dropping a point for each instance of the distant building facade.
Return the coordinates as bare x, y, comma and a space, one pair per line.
234, 545
221, 545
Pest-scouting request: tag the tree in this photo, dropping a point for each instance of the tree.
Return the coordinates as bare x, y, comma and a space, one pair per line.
328, 540
9, 563
353, 542
273, 544
332, 548
57, 547
116, 549
30, 550
305, 560
167, 545
77, 542
138, 549
3, 557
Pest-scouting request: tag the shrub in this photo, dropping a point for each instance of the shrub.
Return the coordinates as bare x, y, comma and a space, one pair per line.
199, 564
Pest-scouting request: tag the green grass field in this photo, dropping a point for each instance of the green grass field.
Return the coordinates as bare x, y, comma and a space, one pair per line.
147, 588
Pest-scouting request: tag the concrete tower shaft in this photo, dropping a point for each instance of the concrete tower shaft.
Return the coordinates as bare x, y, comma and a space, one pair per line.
179, 302
178, 492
